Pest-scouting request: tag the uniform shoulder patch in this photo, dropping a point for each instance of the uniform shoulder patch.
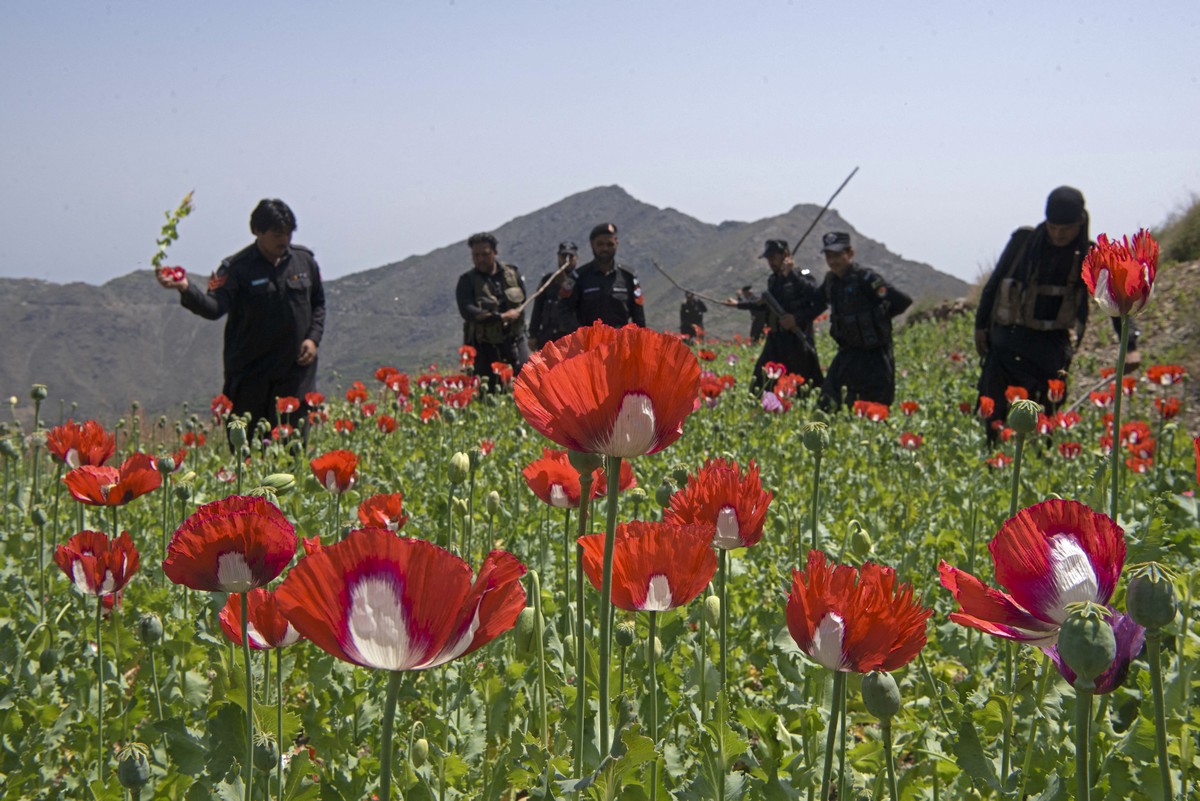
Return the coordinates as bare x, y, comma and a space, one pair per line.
217, 280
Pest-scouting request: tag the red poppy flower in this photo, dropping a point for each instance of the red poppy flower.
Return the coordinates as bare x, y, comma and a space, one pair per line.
656, 566
1048, 556
1130, 638
1013, 394
383, 511
336, 470
1067, 420
76, 444
1165, 374
1056, 390
113, 486
1168, 408
910, 441
394, 603
1070, 450
398, 383
556, 483
1139, 464
733, 507
987, 406
177, 459
357, 393
385, 423
194, 439
1102, 399
616, 392
314, 399
1106, 444
1121, 274
221, 405
875, 412
1045, 424
788, 385
854, 622
466, 355
909, 407
999, 461
964, 407
428, 380
461, 400
98, 566
429, 414
266, 628
503, 371
1128, 385
343, 426
382, 374
235, 544
774, 370
282, 431
1143, 449
706, 355
368, 409
287, 404
1134, 432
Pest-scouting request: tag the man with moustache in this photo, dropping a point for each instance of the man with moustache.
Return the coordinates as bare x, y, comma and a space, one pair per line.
604, 289
491, 298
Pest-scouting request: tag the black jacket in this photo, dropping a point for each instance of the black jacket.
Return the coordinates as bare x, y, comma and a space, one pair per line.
614, 298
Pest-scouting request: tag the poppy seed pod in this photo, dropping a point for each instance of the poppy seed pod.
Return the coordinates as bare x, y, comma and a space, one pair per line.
133, 767
1150, 597
680, 476
1023, 416
165, 464
38, 392
47, 660
662, 495
625, 633
420, 752
150, 629
459, 468
8, 450
815, 436
585, 463
38, 516
266, 753
1087, 643
880, 694
237, 433
492, 502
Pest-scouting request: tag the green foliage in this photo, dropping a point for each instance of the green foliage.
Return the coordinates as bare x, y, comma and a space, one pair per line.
1179, 237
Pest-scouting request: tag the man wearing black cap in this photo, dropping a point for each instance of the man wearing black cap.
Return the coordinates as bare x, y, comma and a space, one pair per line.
552, 315
861, 307
792, 301
605, 290
490, 298
1031, 304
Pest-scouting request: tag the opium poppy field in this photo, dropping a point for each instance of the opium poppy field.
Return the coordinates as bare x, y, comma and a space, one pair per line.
620, 576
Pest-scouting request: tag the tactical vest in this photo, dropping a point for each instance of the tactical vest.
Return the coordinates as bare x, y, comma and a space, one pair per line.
493, 332
1016, 301
858, 320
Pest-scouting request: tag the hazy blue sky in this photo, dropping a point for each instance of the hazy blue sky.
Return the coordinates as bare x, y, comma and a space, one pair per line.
395, 128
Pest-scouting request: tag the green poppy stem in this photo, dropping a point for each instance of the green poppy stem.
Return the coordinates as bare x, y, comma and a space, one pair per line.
650, 649
724, 632
248, 770
893, 790
543, 717
1118, 392
585, 506
565, 566
1016, 480
612, 465
816, 503
1083, 723
389, 716
99, 690
1154, 654
279, 718
835, 708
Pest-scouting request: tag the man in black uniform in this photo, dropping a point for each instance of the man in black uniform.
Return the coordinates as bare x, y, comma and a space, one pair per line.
691, 316
1031, 304
861, 308
272, 292
490, 296
758, 312
605, 290
792, 301
552, 315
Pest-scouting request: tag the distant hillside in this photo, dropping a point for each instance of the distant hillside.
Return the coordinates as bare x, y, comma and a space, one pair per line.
128, 339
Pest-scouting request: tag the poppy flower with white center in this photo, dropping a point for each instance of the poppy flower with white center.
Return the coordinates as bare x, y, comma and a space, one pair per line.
314, 399
235, 544
556, 483
221, 405
1047, 556
856, 621
97, 565
1101, 399
1015, 393
910, 441
1168, 408
466, 355
1165, 374
1056, 390
909, 408
1070, 450
620, 393
987, 406
77, 444
266, 628
1120, 275
382, 374
357, 393
656, 566
774, 370
114, 486
875, 412
385, 510
336, 470
1139, 464
393, 603
287, 404
732, 505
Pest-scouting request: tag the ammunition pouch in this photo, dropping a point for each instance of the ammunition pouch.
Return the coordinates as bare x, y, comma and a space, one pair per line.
865, 330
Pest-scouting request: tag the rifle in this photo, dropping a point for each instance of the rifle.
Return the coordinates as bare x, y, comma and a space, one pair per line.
542, 288
824, 209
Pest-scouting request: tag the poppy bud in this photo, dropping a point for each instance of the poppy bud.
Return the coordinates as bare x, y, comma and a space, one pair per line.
1150, 597
492, 502
182, 492
461, 507
1023, 416
38, 392
237, 434
625, 633
662, 495
585, 463
133, 768
459, 468
1086, 643
680, 475
48, 660
860, 543
150, 629
135, 405
38, 516
266, 753
880, 694
815, 436
448, 414
165, 464
474, 456
654, 648
637, 494
12, 400
527, 632
279, 482
420, 752
8, 449
712, 610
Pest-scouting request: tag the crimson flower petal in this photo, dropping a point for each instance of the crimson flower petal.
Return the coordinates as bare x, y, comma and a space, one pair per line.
236, 544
